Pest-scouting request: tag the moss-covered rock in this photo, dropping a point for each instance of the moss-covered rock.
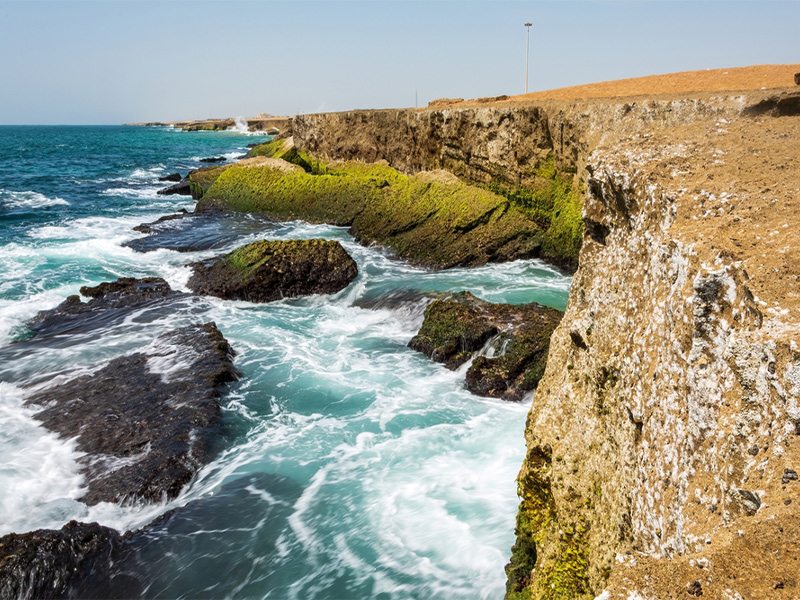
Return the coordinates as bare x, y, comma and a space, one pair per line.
553, 200
202, 179
432, 223
265, 271
284, 149
453, 330
560, 577
457, 327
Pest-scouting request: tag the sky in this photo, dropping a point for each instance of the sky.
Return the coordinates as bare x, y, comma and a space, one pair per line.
116, 61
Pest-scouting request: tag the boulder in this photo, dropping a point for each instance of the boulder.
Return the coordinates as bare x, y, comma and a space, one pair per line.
146, 421
171, 177
516, 337
48, 563
270, 270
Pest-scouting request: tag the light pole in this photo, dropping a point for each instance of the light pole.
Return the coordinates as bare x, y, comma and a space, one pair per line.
527, 54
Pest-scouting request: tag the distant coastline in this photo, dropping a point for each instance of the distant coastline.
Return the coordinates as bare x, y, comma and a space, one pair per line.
266, 123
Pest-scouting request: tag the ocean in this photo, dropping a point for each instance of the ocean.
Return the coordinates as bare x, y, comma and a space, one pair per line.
354, 467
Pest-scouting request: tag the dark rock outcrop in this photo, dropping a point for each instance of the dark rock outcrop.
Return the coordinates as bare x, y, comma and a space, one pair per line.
193, 231
48, 563
270, 270
456, 328
182, 188
797, 78
175, 177
213, 159
146, 421
110, 302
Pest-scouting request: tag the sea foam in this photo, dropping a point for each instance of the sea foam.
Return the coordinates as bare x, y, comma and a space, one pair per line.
28, 199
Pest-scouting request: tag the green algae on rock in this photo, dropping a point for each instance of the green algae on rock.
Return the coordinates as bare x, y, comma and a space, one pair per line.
456, 328
553, 201
265, 271
433, 222
284, 149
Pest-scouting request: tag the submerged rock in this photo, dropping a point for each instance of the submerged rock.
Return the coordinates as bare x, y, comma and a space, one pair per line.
48, 563
147, 421
166, 557
270, 270
191, 232
456, 328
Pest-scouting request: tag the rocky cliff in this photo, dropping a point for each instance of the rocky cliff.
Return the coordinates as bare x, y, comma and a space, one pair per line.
664, 439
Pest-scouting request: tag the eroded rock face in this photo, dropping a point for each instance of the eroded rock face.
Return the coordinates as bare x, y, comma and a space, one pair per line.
147, 421
265, 271
110, 302
668, 415
48, 563
456, 328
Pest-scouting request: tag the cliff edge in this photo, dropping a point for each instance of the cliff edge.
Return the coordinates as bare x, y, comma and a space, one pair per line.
663, 438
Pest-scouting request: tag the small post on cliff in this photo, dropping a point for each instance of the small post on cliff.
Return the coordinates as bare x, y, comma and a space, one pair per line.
527, 54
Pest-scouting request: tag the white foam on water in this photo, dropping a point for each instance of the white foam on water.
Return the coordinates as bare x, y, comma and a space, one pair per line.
408, 480
39, 476
240, 125
28, 199
148, 193
146, 174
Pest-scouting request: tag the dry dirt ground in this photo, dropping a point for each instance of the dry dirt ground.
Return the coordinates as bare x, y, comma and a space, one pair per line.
709, 80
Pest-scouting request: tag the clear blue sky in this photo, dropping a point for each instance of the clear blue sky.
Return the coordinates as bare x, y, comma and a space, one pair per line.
109, 61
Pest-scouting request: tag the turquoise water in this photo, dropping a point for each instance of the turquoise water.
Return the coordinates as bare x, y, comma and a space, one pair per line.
354, 467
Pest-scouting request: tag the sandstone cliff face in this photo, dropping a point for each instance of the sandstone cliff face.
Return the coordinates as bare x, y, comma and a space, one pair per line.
503, 141
663, 441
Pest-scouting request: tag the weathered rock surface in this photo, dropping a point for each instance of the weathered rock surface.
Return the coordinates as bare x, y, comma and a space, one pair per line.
670, 403
110, 302
667, 419
147, 421
457, 327
191, 232
265, 271
49, 563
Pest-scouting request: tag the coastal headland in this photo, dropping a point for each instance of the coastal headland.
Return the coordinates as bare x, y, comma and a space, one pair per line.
663, 439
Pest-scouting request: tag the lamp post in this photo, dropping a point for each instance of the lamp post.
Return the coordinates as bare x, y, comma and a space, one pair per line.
527, 53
